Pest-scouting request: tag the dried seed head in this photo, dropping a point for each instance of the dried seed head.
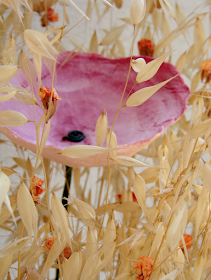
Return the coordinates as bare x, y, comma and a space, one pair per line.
131, 175
111, 141
91, 242
137, 11
163, 152
101, 128
137, 64
206, 176
27, 210
9, 53
124, 195
177, 227
110, 232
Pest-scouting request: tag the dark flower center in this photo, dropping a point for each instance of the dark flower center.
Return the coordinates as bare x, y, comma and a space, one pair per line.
74, 136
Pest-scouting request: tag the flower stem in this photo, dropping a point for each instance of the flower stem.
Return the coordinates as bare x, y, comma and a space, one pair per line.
67, 185
66, 190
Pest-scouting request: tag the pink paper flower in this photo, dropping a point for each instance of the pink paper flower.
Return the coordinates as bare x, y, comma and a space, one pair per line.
89, 83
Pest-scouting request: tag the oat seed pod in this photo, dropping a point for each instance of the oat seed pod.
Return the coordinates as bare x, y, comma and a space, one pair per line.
9, 53
111, 141
137, 11
137, 64
163, 152
110, 232
130, 175
101, 128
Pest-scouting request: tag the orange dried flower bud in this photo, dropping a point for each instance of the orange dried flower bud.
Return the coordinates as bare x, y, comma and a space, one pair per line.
119, 197
146, 47
36, 188
188, 241
49, 243
206, 71
66, 253
45, 94
52, 16
143, 267
134, 198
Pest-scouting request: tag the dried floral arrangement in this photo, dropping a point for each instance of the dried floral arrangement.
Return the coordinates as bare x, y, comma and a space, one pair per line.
145, 213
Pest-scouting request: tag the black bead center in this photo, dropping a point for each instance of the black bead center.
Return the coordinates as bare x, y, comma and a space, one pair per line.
74, 136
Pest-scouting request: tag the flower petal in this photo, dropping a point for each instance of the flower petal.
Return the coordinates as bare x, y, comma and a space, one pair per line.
89, 83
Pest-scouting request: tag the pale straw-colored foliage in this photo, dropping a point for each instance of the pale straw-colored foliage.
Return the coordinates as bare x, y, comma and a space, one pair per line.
170, 179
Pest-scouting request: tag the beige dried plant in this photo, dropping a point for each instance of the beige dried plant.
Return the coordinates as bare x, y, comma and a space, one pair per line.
145, 216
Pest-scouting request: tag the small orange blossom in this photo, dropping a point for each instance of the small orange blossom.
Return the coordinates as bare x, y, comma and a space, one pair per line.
206, 71
146, 47
36, 188
45, 93
188, 241
50, 105
66, 253
143, 267
52, 16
